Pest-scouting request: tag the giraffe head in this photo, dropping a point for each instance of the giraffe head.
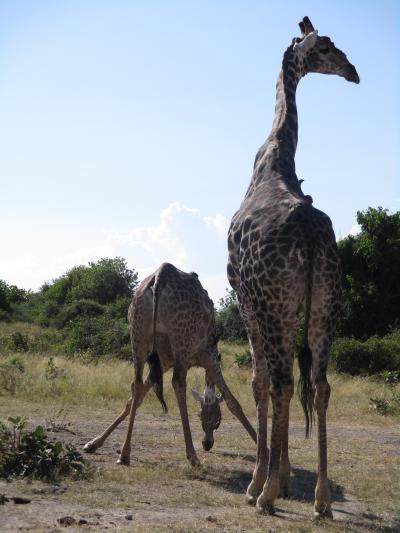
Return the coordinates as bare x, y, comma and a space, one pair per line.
319, 54
210, 414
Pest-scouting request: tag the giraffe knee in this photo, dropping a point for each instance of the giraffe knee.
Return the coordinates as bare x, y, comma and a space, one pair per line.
260, 386
281, 392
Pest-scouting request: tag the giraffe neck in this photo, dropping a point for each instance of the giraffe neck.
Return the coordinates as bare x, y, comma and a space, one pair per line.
285, 126
278, 152
209, 391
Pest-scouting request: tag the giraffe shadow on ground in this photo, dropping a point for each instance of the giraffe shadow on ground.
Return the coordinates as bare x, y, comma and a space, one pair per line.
302, 483
236, 481
248, 457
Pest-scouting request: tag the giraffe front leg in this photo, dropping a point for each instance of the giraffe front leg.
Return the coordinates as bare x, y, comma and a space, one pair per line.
213, 370
280, 402
137, 390
260, 386
179, 384
322, 506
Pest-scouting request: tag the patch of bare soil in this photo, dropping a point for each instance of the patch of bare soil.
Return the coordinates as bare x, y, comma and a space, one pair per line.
169, 498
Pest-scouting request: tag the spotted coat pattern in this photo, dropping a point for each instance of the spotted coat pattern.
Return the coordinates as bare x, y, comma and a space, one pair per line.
171, 317
283, 263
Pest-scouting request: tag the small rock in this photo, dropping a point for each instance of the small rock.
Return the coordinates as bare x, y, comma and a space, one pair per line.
82, 522
210, 518
66, 521
20, 500
129, 517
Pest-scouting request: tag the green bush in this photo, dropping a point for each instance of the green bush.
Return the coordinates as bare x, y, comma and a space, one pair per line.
243, 359
82, 308
30, 454
98, 335
17, 337
390, 376
369, 357
19, 342
387, 406
52, 372
10, 374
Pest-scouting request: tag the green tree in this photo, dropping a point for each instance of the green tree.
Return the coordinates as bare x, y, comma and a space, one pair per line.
10, 295
102, 282
4, 297
229, 323
84, 291
371, 275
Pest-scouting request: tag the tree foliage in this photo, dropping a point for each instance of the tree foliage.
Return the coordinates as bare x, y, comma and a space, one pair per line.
88, 304
9, 295
102, 282
371, 275
229, 322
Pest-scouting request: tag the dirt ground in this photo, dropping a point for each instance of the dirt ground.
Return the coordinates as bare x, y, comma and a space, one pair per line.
160, 491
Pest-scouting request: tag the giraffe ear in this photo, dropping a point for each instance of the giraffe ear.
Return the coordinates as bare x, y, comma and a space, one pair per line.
197, 396
307, 43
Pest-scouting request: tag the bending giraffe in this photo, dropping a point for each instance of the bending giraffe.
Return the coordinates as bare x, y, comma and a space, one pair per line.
172, 325
283, 262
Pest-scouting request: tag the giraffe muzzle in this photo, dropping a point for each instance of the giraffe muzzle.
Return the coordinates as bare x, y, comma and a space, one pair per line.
207, 444
351, 74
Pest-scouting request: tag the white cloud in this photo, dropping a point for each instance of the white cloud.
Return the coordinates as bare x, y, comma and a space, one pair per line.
182, 235
162, 242
355, 230
218, 223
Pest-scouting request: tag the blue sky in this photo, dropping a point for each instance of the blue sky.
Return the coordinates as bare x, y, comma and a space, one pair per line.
130, 128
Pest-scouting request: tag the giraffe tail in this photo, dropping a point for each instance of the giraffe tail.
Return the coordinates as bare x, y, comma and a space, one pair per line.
153, 359
156, 377
305, 388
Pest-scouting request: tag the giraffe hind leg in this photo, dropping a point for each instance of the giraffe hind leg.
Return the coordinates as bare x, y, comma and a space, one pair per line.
279, 345
322, 325
97, 442
260, 386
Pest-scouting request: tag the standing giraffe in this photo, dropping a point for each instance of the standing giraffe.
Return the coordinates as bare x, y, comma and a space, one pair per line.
172, 325
283, 261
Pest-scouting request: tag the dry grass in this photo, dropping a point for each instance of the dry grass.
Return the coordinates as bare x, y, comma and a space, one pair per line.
160, 490
107, 383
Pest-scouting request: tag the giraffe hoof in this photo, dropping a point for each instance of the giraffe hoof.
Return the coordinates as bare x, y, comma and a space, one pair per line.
284, 493
90, 447
265, 509
194, 461
250, 499
123, 460
326, 513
